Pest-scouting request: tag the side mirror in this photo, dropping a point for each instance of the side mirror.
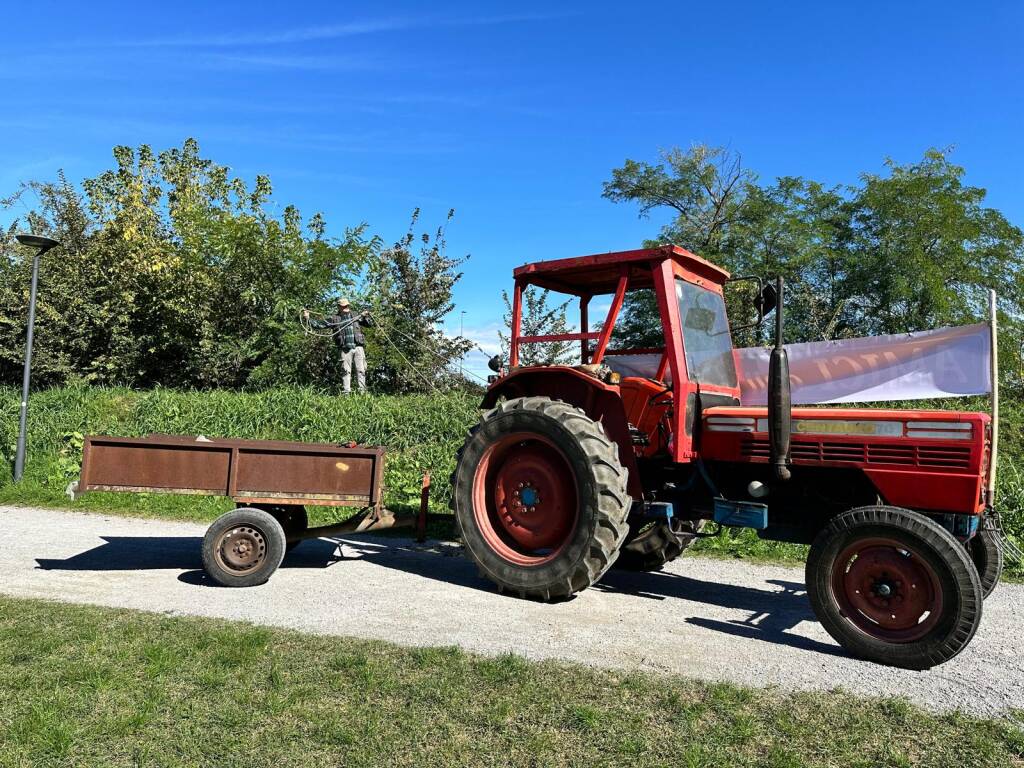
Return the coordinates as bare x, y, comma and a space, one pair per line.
767, 300
495, 363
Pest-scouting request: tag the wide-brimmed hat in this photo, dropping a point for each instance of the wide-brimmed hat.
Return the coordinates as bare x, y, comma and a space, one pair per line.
344, 303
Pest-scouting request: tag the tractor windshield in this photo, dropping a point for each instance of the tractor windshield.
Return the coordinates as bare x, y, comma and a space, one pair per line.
706, 339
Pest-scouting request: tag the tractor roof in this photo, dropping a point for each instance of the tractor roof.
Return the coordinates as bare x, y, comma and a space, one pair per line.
599, 273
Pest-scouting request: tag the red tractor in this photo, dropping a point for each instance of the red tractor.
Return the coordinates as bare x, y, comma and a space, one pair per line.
575, 467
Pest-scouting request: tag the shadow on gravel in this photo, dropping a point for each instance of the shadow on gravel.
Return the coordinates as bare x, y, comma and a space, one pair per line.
773, 612
143, 553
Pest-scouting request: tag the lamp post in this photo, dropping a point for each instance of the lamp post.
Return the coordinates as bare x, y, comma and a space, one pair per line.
462, 322
42, 245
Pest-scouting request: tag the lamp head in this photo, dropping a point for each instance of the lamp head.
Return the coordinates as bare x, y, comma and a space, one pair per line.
43, 244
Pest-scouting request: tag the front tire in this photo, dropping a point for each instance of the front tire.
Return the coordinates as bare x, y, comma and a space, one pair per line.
894, 587
540, 498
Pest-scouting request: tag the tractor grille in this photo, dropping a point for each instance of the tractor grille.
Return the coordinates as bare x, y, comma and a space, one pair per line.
950, 457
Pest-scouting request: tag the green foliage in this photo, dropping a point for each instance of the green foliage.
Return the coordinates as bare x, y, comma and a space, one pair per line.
539, 318
409, 295
910, 250
174, 273
421, 432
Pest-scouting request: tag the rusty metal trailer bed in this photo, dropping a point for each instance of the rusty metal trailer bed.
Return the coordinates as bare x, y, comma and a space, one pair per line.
271, 481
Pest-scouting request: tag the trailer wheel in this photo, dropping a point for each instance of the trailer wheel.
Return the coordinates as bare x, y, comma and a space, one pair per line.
894, 587
242, 548
651, 547
986, 550
540, 498
293, 519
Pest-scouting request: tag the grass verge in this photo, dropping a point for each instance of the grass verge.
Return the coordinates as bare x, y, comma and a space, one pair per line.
83, 686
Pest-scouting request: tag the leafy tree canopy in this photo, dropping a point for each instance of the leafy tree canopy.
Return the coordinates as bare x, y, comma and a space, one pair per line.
175, 272
909, 249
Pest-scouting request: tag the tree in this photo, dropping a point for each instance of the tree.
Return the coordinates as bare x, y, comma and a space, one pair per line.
705, 188
925, 248
410, 294
910, 250
539, 319
173, 272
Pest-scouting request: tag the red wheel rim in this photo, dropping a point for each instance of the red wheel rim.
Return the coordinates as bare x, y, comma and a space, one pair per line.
887, 590
524, 499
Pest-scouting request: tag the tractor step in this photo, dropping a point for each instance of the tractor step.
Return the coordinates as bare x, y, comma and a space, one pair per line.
741, 514
658, 510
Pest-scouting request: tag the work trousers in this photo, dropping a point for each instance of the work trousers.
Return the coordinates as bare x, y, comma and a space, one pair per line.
353, 358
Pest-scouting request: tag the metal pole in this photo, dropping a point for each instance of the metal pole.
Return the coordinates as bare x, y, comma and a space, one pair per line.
19, 456
462, 321
995, 396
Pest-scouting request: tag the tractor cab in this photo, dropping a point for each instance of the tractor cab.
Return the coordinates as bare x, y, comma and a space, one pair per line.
685, 366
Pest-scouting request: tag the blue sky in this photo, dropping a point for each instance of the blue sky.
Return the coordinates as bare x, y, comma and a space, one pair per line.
511, 114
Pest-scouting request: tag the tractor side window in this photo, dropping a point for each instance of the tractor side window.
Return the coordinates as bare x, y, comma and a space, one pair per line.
706, 339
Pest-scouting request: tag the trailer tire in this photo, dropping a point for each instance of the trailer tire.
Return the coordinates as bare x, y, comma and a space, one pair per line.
539, 497
651, 548
986, 551
293, 519
873, 563
243, 548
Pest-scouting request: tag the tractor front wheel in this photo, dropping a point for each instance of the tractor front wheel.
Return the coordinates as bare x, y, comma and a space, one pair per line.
894, 587
540, 498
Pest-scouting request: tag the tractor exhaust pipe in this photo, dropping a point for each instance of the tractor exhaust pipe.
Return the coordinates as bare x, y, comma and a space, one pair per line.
780, 398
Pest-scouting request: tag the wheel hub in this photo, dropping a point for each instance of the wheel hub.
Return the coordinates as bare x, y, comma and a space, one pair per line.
886, 590
525, 498
242, 548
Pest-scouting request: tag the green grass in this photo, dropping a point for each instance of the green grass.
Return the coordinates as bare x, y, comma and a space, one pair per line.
421, 434
85, 686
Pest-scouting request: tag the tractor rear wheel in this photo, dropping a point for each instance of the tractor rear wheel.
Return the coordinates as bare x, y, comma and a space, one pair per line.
540, 498
986, 550
652, 546
894, 587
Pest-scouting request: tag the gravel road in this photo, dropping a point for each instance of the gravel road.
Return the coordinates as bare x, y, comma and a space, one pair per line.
701, 617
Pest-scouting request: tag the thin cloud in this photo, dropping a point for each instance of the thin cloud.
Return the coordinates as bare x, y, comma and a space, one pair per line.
331, 31
261, 61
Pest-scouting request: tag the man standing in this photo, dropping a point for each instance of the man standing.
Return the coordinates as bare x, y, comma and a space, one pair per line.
347, 331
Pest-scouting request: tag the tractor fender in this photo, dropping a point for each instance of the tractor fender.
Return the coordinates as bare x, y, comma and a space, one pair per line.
600, 401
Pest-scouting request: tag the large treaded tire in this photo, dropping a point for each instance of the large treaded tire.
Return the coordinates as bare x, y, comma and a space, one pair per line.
653, 547
986, 550
599, 481
934, 552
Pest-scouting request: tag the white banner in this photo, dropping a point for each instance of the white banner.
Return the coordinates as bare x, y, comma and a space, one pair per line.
908, 366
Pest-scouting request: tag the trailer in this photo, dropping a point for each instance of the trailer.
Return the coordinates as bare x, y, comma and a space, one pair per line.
272, 482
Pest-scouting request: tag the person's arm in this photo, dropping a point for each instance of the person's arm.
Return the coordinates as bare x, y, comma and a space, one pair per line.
314, 323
